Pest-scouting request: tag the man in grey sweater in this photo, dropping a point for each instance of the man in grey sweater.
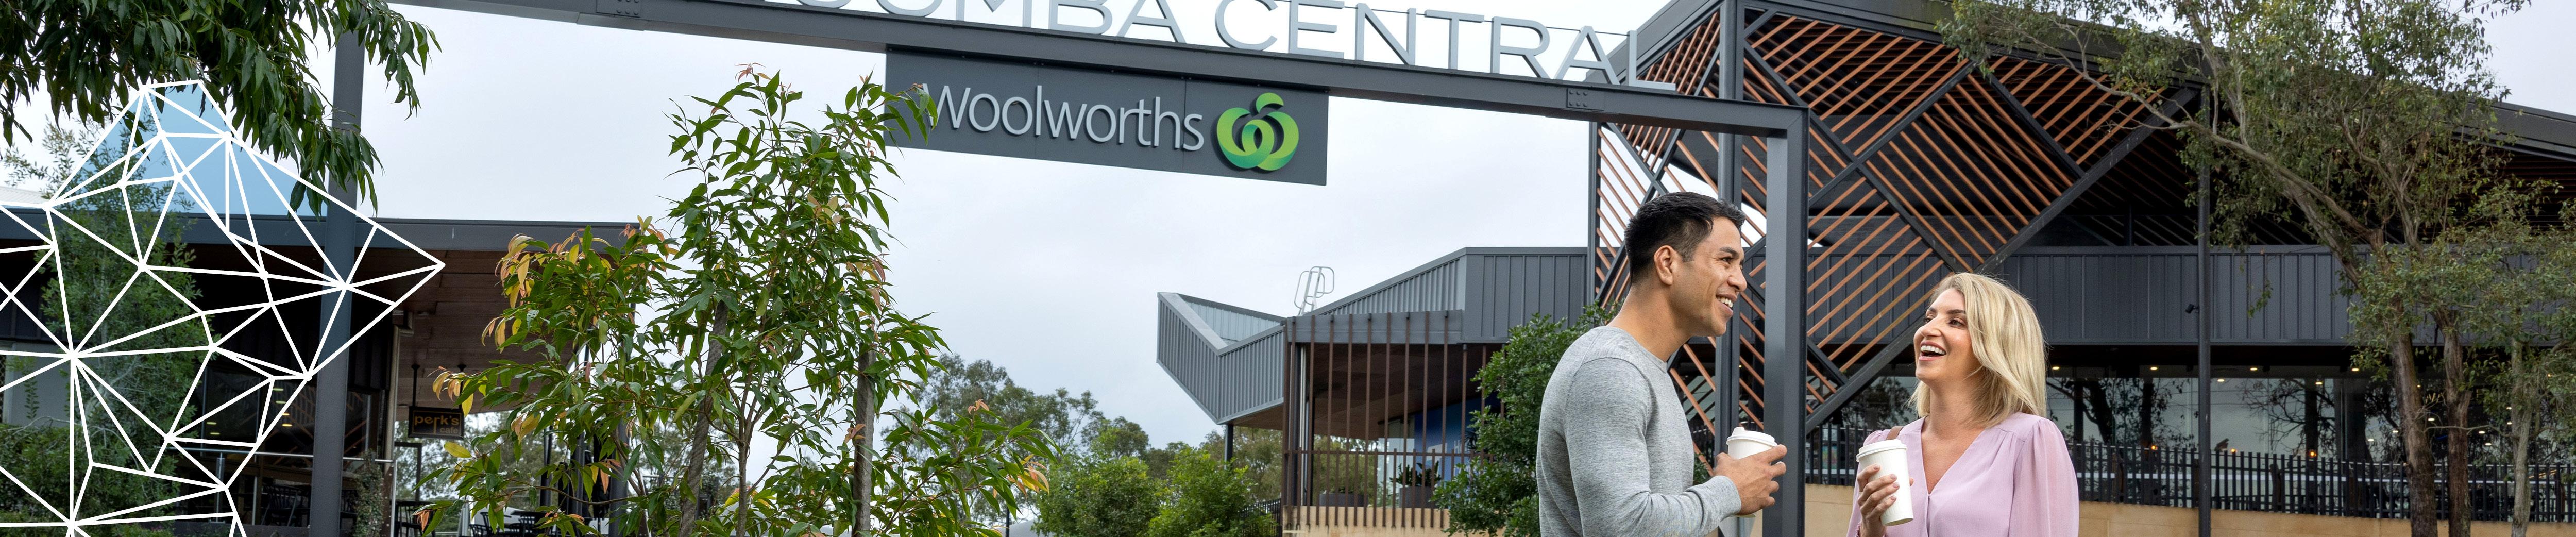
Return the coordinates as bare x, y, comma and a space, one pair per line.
1614, 449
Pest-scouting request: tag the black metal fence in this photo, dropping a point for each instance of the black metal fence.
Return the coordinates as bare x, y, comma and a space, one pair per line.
2255, 481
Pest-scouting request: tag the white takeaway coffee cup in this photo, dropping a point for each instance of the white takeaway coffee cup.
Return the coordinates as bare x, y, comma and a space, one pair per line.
1747, 443
1889, 456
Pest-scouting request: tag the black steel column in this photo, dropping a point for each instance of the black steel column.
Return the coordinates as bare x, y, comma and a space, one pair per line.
339, 242
1592, 211
1723, 349
2200, 481
1784, 326
1730, 85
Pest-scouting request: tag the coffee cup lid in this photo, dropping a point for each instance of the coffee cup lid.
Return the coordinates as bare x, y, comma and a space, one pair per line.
1748, 434
1882, 445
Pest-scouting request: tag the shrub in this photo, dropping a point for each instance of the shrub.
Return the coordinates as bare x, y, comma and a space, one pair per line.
1210, 498
1499, 494
1098, 497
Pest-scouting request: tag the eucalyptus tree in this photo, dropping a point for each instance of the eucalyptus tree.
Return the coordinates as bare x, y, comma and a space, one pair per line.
760, 327
2519, 301
2364, 122
82, 57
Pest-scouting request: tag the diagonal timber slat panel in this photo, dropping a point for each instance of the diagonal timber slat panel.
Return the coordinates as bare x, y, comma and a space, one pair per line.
1856, 81
1946, 188
2082, 117
1686, 67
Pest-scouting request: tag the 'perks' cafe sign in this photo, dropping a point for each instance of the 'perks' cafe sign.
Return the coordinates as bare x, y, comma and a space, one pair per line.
1092, 117
437, 423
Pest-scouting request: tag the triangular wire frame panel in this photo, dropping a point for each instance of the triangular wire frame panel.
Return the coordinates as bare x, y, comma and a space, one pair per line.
169, 163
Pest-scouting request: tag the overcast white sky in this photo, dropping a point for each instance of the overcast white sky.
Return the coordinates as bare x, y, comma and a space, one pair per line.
1046, 268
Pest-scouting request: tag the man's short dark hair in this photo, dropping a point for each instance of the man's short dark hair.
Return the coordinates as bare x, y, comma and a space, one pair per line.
1680, 220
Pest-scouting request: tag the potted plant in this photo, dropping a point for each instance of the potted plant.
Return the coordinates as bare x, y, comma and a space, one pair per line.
1414, 484
1341, 497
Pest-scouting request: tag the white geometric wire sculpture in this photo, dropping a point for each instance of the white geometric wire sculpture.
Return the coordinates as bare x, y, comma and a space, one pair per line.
170, 160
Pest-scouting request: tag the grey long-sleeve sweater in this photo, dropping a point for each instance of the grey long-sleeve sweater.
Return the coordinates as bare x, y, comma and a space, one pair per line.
1614, 453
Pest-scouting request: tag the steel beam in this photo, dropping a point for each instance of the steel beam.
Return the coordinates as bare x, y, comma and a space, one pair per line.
1784, 325
1592, 209
339, 244
879, 32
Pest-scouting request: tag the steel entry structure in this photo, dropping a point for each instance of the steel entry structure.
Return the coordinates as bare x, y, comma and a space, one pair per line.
1777, 125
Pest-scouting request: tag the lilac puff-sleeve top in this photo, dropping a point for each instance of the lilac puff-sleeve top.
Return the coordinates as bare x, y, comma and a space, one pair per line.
2015, 480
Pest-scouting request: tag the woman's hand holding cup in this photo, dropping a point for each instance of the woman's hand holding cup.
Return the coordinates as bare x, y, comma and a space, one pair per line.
1878, 492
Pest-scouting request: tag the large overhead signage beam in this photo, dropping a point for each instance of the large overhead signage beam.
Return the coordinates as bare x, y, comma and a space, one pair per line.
1500, 44
880, 32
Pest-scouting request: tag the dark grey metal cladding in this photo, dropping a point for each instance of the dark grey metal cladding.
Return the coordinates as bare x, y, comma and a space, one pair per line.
1221, 355
1508, 285
2538, 129
2142, 295
1386, 328
1251, 375
2296, 291
1495, 289
1433, 286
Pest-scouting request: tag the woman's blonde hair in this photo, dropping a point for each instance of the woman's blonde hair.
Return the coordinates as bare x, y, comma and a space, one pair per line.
2004, 335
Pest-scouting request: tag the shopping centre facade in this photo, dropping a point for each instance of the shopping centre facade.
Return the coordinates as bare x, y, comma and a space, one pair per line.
1918, 164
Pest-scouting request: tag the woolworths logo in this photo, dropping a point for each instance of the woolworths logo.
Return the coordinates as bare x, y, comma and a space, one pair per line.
1264, 142
1119, 119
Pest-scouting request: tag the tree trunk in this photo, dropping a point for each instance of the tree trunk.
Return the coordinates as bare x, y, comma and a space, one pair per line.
2421, 519
2147, 407
743, 428
862, 470
2521, 424
2455, 391
695, 469
2101, 407
2311, 428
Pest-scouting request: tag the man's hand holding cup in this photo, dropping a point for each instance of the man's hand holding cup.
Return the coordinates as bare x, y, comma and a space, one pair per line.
1752, 462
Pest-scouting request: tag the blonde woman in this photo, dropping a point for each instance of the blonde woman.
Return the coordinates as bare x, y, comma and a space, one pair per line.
1984, 459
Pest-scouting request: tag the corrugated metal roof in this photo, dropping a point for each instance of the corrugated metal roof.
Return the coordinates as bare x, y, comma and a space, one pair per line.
1229, 358
10, 194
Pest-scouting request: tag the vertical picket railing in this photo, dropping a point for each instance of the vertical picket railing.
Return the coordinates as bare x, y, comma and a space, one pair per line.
2268, 482
1377, 408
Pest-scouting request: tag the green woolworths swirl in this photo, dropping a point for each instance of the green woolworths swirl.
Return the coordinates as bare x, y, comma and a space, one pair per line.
1265, 142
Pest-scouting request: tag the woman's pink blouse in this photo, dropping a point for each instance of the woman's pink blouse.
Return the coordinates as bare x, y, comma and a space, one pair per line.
2015, 480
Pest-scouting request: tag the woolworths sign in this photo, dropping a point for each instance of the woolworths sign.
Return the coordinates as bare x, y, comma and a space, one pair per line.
1114, 119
